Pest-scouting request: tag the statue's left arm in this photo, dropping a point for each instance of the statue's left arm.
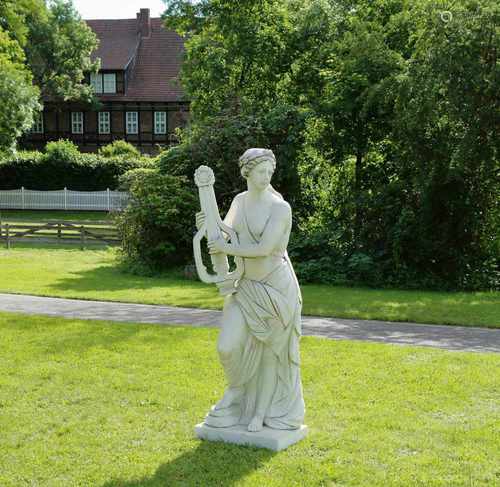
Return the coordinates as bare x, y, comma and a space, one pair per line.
275, 231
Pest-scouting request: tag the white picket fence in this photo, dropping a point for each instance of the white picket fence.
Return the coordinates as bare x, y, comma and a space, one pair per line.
64, 199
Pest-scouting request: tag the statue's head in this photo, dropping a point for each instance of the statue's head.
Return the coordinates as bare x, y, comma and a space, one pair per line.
253, 157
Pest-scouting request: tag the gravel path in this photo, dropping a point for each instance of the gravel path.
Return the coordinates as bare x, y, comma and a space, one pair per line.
446, 337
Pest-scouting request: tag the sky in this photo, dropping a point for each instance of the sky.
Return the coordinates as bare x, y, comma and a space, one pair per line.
117, 9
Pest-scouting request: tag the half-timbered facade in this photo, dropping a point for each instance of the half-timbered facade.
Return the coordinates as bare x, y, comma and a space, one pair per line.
137, 86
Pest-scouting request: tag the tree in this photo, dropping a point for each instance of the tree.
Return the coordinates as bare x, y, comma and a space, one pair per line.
44, 50
58, 52
57, 44
235, 57
18, 96
447, 119
357, 100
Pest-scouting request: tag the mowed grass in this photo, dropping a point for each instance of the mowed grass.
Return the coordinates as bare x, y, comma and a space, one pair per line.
106, 404
26, 216
96, 274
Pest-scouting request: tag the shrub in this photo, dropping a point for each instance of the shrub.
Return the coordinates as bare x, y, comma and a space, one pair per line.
157, 226
61, 151
119, 148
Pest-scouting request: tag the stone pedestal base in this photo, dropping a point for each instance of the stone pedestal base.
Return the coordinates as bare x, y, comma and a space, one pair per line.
271, 439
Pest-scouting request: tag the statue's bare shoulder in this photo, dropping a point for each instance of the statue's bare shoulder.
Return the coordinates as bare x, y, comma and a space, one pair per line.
238, 199
281, 208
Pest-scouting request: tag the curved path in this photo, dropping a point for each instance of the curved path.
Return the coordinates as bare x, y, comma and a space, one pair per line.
447, 337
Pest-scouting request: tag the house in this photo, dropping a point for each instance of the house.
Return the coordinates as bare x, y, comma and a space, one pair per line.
137, 86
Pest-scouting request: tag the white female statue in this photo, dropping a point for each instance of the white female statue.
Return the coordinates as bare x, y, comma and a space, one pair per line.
258, 343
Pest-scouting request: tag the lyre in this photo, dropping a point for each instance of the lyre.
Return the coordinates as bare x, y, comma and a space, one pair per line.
213, 229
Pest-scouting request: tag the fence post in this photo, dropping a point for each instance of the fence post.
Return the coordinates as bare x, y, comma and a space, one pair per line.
65, 199
22, 195
109, 199
7, 235
82, 238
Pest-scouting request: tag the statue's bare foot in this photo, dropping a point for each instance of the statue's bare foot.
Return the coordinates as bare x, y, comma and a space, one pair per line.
230, 396
256, 424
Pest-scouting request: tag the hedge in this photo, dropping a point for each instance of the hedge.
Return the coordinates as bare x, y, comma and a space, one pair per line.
62, 166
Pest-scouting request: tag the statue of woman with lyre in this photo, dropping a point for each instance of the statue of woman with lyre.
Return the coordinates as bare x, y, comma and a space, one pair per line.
258, 343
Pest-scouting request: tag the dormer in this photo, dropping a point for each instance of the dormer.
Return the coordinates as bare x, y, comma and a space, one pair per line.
140, 60
108, 82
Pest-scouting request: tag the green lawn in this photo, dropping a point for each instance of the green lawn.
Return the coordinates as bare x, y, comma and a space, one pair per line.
105, 404
24, 216
95, 274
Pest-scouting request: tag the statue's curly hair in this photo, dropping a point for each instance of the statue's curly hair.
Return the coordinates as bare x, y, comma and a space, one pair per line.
253, 157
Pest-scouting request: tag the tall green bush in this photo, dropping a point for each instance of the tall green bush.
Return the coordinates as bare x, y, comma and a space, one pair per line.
158, 224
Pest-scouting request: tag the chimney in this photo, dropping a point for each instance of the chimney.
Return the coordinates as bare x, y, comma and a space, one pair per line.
144, 22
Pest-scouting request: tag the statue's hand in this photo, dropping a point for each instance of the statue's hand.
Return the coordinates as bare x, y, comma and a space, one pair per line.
217, 246
200, 219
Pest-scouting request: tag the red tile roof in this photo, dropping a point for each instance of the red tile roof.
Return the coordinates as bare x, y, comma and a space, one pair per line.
153, 62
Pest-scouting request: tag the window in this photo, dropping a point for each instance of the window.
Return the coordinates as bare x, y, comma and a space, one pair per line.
77, 122
37, 127
104, 124
132, 119
160, 122
109, 83
96, 82
103, 82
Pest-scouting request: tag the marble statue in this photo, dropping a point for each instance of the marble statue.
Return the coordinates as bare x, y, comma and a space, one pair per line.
258, 343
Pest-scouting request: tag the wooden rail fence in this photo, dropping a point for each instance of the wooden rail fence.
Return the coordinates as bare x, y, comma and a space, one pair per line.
83, 233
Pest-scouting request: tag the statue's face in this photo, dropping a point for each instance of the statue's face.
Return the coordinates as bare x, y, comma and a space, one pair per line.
260, 176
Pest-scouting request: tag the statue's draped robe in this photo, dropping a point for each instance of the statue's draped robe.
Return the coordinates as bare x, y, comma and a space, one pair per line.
271, 308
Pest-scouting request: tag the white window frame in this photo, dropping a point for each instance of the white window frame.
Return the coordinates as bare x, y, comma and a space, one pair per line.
132, 122
103, 82
104, 122
109, 82
96, 82
77, 122
37, 127
160, 123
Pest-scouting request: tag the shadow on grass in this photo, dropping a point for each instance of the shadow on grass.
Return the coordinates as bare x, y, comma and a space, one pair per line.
210, 464
113, 278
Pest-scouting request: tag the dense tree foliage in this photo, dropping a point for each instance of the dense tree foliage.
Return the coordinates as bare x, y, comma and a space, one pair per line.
384, 118
44, 48
447, 137
18, 96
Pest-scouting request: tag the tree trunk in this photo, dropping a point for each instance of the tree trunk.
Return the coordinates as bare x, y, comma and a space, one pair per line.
358, 169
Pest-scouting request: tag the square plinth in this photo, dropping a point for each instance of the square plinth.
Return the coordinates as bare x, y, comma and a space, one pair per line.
269, 438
